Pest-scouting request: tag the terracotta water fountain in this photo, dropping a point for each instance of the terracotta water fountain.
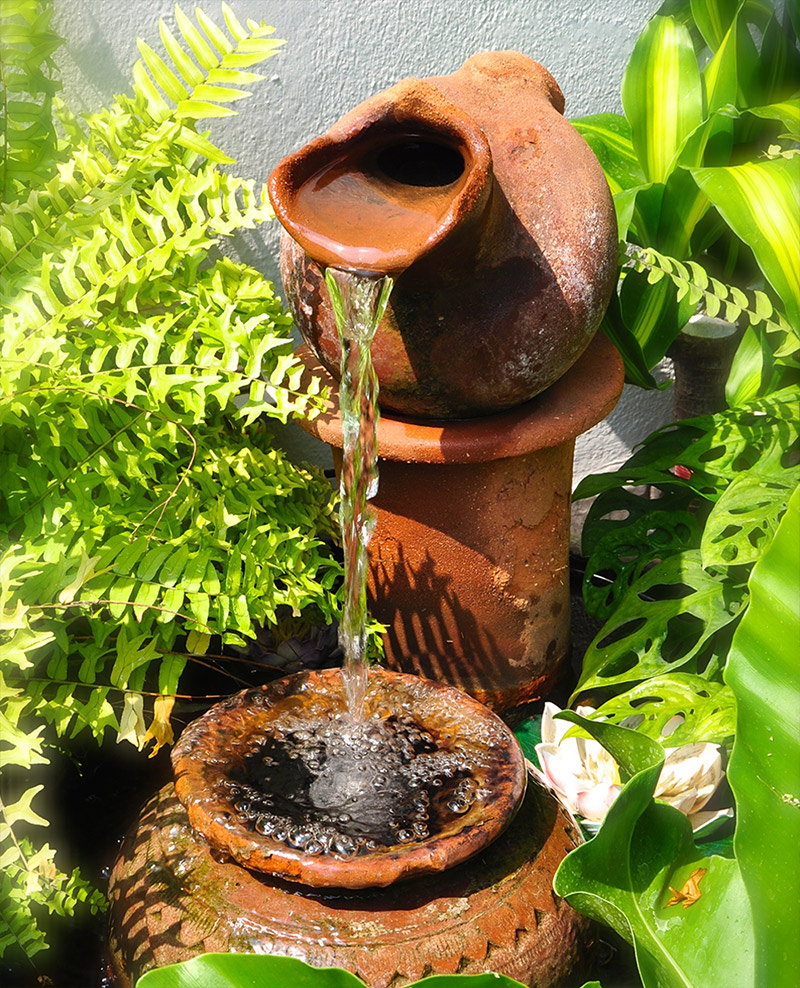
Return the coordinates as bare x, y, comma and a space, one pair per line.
496, 219
387, 823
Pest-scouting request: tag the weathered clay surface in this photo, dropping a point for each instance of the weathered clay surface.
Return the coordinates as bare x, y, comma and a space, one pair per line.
469, 558
497, 298
213, 748
173, 898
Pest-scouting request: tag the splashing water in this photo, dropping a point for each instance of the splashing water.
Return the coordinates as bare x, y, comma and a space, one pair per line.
359, 302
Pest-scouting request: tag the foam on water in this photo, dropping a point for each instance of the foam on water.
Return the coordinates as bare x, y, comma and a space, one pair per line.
341, 787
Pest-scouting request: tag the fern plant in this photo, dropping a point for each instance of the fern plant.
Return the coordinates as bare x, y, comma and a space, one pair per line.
143, 507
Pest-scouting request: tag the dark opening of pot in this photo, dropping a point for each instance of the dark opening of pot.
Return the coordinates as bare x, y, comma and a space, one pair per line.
423, 163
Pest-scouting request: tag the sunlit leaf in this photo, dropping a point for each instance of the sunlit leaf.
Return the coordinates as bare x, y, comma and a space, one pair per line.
759, 202
662, 95
765, 763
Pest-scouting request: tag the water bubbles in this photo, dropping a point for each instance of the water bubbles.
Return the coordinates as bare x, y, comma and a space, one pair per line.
341, 787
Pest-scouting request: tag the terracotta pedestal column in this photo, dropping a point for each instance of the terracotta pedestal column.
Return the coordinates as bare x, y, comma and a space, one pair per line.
469, 560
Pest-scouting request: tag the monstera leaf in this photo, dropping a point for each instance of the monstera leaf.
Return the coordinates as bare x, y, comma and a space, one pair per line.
258, 971
744, 520
707, 710
672, 618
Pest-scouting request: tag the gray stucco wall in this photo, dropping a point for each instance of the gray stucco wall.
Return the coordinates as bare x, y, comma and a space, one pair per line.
339, 52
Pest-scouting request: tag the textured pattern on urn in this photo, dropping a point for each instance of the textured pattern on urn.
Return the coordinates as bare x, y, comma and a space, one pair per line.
172, 897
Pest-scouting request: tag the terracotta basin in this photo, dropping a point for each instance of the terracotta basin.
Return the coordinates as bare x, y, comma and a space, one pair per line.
426, 756
173, 897
488, 208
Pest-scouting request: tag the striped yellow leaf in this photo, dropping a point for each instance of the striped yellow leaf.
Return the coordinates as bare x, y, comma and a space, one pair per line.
713, 18
662, 95
760, 201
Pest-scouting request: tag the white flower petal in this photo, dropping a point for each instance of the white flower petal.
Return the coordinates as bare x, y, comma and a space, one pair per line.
557, 772
594, 803
549, 725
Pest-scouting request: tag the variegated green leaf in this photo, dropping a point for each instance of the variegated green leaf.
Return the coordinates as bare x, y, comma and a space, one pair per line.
609, 136
714, 18
662, 95
760, 200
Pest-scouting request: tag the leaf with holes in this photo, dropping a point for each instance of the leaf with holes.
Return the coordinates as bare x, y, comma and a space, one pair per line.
744, 520
626, 532
713, 449
676, 616
707, 709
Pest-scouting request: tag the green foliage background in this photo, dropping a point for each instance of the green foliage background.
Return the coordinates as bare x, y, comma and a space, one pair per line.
142, 504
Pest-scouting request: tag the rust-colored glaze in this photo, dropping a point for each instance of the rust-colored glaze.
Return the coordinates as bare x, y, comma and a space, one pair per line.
503, 273
214, 747
469, 558
172, 898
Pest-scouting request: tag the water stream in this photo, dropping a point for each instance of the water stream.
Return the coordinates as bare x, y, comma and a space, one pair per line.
359, 302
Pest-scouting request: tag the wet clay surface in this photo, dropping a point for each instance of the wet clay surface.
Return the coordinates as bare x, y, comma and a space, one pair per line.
172, 898
502, 273
284, 780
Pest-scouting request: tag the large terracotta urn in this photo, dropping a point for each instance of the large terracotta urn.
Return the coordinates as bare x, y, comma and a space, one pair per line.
490, 211
215, 863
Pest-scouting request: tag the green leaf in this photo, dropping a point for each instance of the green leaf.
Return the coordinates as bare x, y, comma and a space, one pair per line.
720, 76
758, 200
609, 136
714, 18
712, 449
672, 618
626, 532
750, 369
743, 521
254, 971
630, 349
765, 764
708, 709
164, 76
662, 95
622, 878
651, 313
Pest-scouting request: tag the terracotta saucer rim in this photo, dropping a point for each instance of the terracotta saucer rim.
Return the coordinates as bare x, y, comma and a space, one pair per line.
378, 868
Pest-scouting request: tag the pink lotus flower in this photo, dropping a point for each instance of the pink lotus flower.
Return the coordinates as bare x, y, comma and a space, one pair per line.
586, 777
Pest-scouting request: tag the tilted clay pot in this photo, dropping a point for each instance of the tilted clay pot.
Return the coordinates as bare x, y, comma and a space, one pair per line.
490, 211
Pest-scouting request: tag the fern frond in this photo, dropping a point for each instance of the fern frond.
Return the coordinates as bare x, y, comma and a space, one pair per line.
28, 141
692, 281
128, 145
